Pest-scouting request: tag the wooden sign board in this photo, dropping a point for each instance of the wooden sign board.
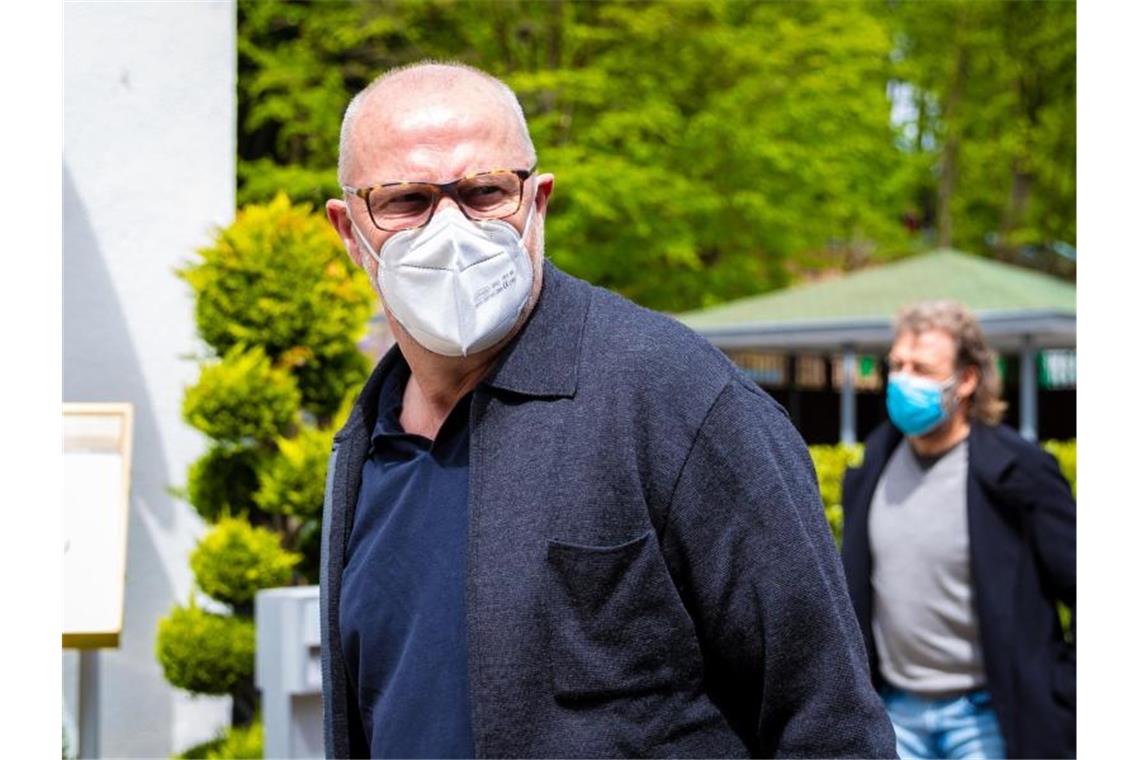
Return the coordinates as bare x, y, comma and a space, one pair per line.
96, 488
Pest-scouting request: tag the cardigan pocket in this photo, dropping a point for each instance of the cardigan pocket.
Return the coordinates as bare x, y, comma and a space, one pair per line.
616, 625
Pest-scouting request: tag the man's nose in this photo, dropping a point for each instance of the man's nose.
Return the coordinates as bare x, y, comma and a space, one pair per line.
448, 199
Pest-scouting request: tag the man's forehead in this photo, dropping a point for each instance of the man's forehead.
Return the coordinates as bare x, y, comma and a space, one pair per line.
440, 134
933, 343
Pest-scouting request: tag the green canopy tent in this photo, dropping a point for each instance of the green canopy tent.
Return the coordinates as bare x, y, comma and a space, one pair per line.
1021, 311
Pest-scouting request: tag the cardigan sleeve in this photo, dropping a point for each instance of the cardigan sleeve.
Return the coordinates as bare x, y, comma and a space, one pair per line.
754, 559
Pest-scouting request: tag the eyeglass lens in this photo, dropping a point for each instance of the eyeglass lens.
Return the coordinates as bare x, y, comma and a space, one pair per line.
484, 196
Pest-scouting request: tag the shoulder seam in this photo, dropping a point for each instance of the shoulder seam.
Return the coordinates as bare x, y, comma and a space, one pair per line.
692, 447
751, 387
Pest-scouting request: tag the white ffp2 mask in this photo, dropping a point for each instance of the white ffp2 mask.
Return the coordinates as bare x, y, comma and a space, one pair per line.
456, 286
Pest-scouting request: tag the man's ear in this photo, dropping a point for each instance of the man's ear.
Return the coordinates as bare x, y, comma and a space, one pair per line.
968, 386
337, 212
544, 186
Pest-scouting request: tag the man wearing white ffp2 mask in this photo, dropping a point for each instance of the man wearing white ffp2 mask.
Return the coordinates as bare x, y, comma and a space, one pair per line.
456, 286
544, 514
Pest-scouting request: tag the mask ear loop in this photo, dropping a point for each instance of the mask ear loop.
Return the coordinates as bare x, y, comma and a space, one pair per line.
952, 382
526, 225
363, 241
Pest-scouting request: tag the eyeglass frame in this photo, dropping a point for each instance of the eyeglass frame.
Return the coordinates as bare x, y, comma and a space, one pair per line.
442, 189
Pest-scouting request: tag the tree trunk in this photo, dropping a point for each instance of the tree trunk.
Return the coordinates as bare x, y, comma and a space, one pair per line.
502, 26
556, 19
1030, 100
245, 699
1019, 192
948, 163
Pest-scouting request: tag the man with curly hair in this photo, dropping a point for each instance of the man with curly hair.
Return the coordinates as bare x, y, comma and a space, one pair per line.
959, 541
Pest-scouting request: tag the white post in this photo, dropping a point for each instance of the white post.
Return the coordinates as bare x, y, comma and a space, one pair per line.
1028, 389
288, 671
847, 397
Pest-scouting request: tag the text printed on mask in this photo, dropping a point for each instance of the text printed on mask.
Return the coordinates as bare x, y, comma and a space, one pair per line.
487, 292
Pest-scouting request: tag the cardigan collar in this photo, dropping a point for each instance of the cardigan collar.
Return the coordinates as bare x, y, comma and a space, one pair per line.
540, 361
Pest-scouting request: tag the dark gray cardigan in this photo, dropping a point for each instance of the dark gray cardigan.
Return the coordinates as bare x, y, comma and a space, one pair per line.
649, 568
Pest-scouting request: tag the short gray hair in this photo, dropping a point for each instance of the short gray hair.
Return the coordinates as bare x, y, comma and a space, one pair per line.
972, 351
419, 70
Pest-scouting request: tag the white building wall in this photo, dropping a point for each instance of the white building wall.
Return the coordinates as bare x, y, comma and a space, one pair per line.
149, 143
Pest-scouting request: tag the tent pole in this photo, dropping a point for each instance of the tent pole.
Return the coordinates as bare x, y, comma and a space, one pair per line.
1028, 389
847, 397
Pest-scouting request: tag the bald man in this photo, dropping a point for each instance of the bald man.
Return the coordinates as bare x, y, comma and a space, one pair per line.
557, 524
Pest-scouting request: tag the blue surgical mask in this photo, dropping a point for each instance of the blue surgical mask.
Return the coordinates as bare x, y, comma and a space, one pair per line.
917, 405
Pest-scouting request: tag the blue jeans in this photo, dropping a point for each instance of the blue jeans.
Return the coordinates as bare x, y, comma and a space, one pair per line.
959, 727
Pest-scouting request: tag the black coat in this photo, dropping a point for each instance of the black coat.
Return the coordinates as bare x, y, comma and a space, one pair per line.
1022, 531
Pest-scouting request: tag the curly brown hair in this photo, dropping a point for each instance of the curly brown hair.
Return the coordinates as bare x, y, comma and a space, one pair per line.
959, 322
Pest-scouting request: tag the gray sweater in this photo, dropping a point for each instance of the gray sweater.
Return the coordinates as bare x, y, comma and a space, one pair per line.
649, 569
923, 618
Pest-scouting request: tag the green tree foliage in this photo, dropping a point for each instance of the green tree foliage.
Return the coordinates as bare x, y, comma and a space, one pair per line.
247, 294
279, 309
991, 132
235, 560
204, 652
230, 743
240, 743
713, 149
689, 184
293, 483
223, 481
242, 397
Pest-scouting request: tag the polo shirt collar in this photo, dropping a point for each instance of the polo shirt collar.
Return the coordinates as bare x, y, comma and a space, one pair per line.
391, 400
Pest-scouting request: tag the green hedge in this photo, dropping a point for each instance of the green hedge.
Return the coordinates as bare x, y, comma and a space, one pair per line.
1066, 454
830, 464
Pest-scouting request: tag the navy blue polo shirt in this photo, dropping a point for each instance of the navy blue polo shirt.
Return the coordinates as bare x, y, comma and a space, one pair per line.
403, 626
